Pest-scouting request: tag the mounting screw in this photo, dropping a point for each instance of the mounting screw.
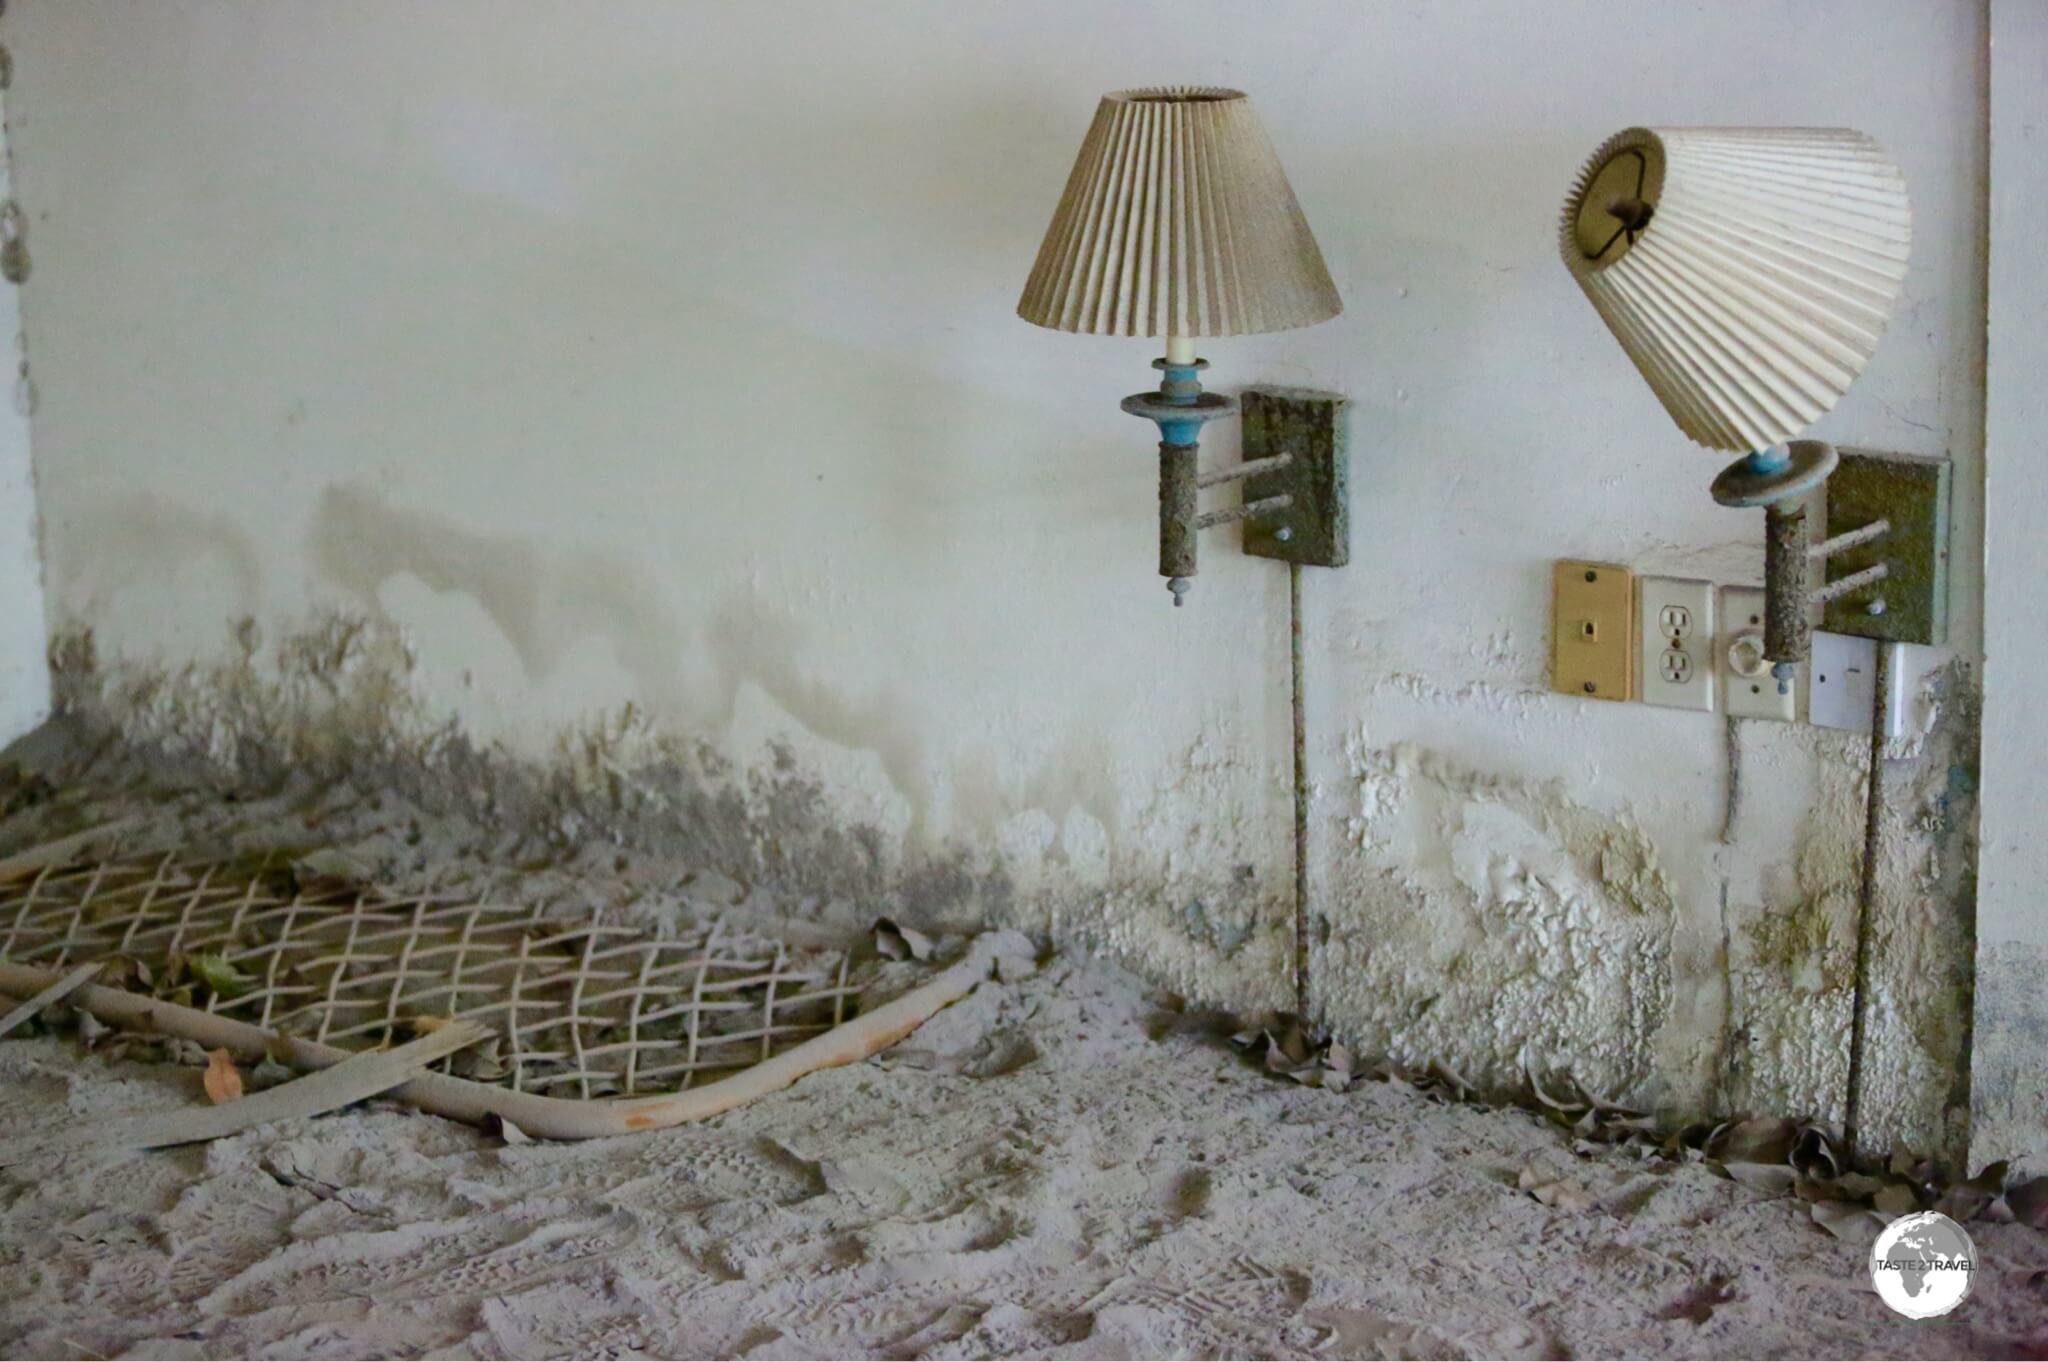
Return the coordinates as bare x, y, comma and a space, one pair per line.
1591, 576
1876, 607
1284, 533
1590, 687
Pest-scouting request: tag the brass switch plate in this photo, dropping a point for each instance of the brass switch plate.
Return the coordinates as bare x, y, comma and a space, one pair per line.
1592, 640
1913, 494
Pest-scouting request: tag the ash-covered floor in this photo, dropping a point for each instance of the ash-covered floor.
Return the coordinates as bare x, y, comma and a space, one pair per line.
1064, 1165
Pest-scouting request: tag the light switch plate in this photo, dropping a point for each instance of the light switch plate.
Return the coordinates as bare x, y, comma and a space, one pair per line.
1592, 636
1747, 688
1675, 626
1843, 678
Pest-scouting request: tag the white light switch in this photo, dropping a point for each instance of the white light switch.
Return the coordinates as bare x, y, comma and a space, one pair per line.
1844, 679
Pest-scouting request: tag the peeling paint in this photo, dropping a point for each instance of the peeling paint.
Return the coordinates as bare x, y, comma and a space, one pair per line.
1792, 951
1496, 925
1922, 925
1792, 945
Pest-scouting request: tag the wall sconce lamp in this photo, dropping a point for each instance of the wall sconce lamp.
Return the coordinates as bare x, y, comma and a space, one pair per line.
1749, 273
1178, 222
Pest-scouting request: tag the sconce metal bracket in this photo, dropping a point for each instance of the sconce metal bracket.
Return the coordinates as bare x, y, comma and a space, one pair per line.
1912, 493
1315, 527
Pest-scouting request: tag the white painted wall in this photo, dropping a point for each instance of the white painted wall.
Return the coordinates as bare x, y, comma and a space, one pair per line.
663, 355
2010, 1095
24, 674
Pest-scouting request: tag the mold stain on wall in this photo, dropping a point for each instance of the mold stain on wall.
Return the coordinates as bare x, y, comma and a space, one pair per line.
1791, 924
1500, 925
1170, 891
1494, 924
2009, 1100
1792, 954
1921, 928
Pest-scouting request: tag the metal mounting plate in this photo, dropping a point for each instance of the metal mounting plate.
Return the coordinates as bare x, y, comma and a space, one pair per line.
1913, 493
1309, 425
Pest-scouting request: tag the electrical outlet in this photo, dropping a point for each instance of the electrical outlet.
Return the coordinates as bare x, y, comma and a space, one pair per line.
1843, 681
1748, 690
1675, 622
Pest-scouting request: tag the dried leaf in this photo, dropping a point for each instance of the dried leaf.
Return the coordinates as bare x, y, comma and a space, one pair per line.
1962, 1202
1565, 1195
1813, 1154
484, 1062
1896, 1198
1566, 1105
2028, 1202
1990, 1178
1631, 1124
1914, 1167
1773, 1179
1847, 1221
897, 942
1451, 1079
1758, 1139
121, 971
223, 1080
268, 1073
220, 975
1560, 1193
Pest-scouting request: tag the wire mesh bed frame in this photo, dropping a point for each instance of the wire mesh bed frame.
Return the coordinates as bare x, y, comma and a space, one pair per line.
309, 968
580, 1008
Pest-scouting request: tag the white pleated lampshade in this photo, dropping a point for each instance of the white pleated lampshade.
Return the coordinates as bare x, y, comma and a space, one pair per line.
1748, 272
1178, 221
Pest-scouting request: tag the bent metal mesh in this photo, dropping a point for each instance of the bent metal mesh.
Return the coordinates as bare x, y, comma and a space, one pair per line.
580, 1008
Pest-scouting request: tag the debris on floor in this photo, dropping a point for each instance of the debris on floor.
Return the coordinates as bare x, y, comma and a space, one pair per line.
1067, 1164
1851, 1199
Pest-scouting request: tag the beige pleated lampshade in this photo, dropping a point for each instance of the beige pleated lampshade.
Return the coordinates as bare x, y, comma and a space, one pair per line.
1178, 221
1748, 272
